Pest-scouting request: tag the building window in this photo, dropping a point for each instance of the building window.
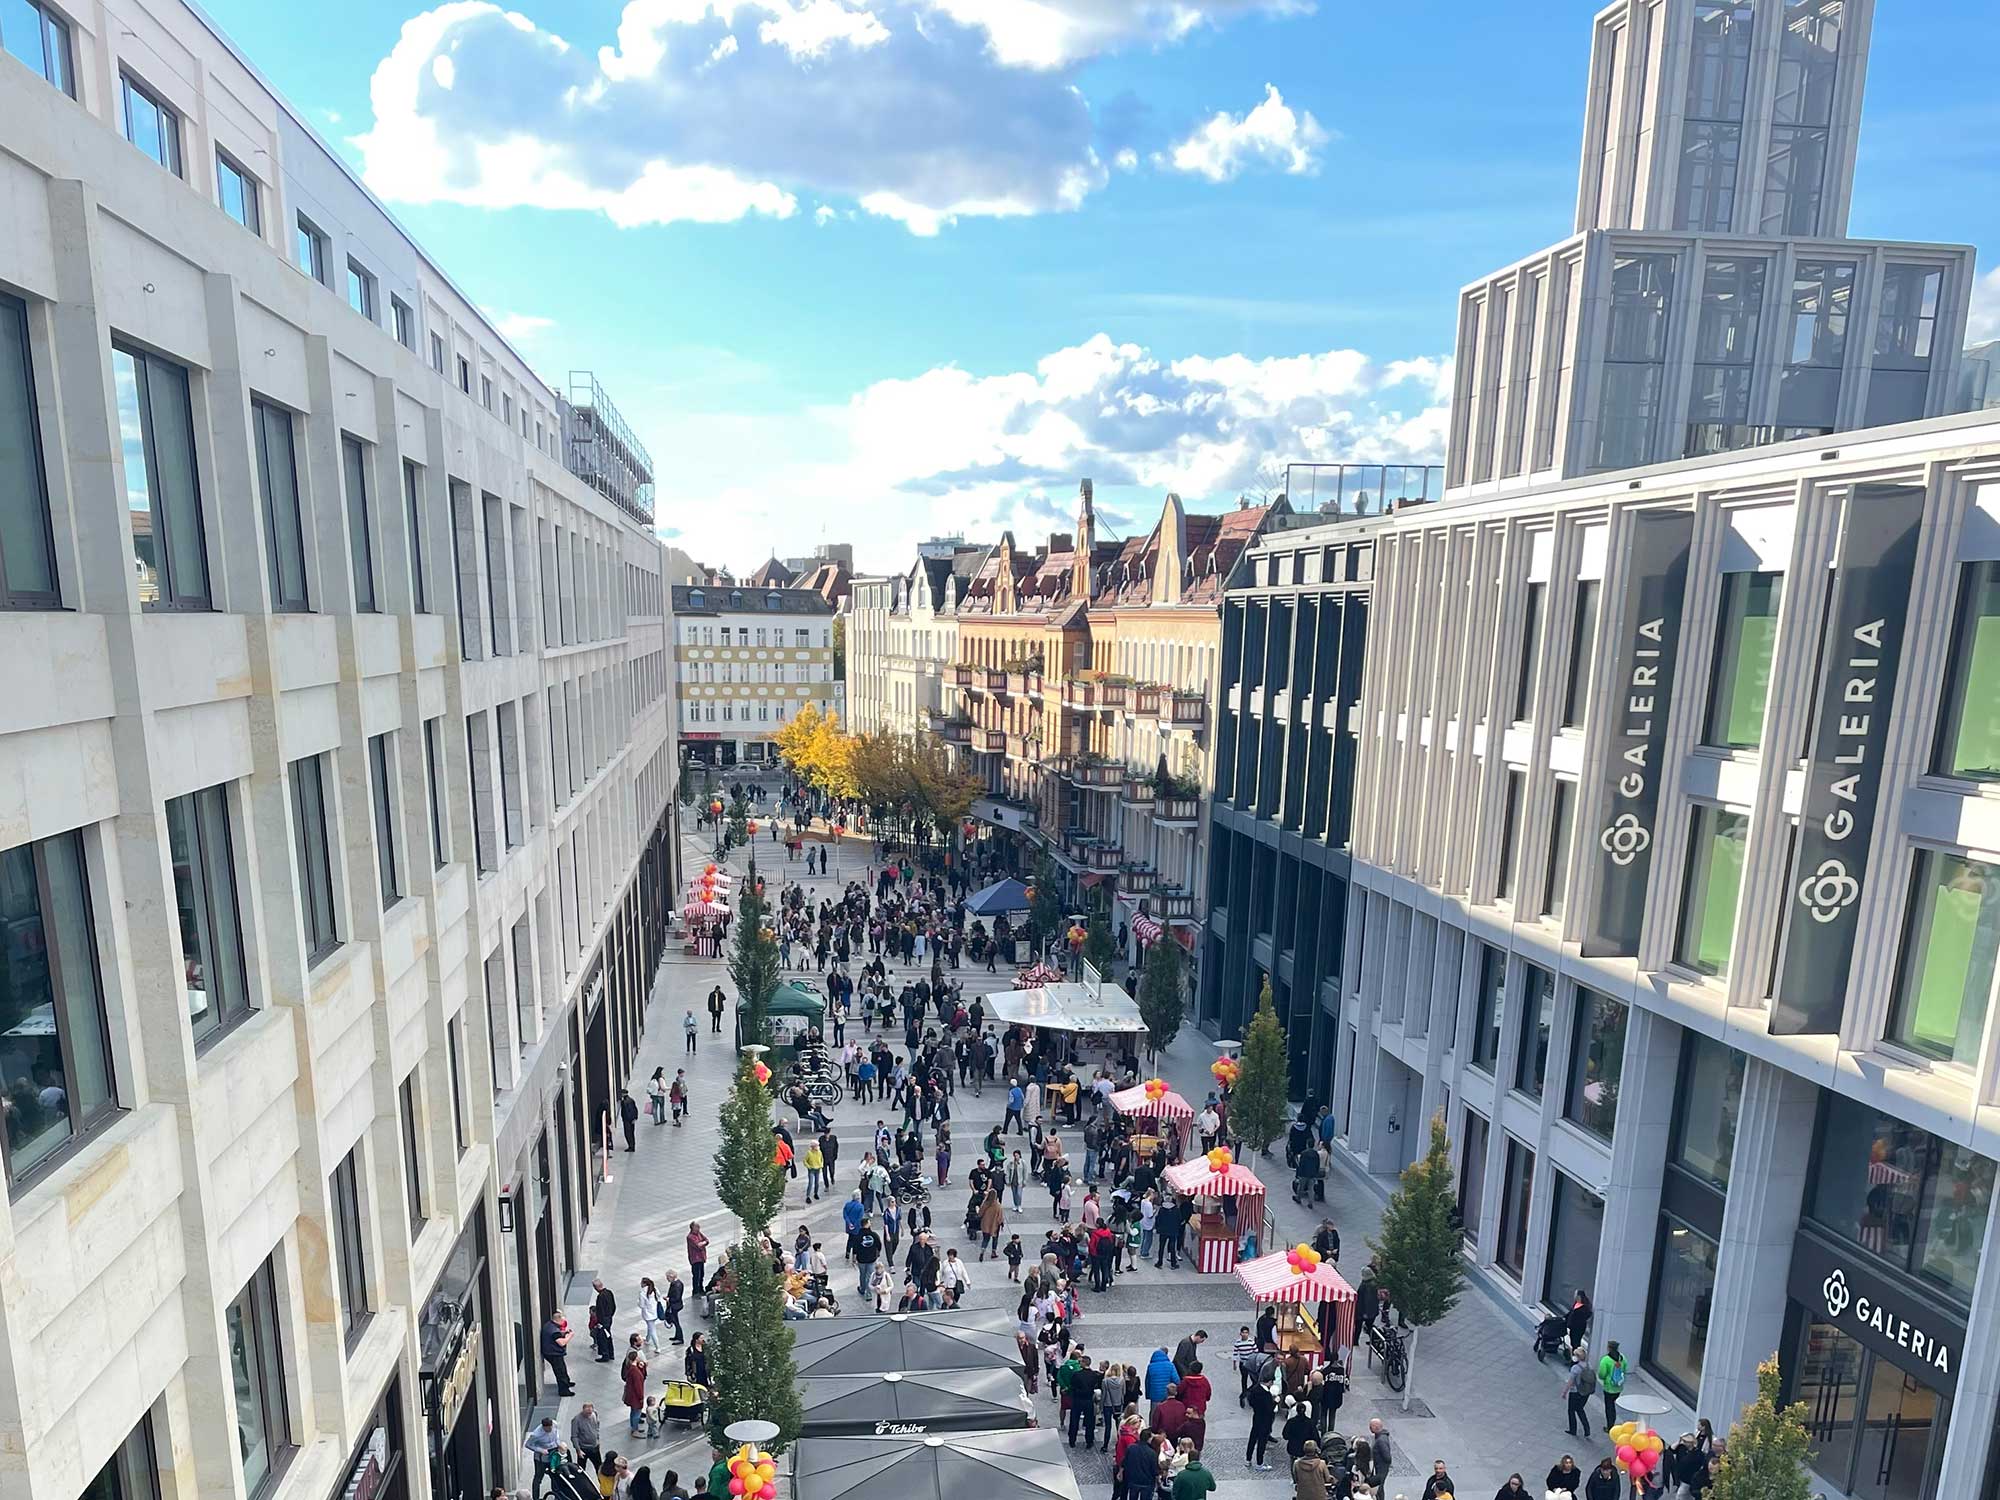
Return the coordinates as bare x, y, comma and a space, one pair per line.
1744, 645
1725, 345
1634, 359
1968, 742
507, 408
477, 752
1706, 1106
150, 122
1718, 73
1582, 653
1489, 1008
236, 191
348, 1246
499, 615
512, 820
465, 375
361, 289
132, 1472
162, 491
1905, 327
413, 518
413, 1157
455, 1046
27, 551
204, 860
1516, 1188
1562, 823
1510, 836
1472, 1175
1708, 900
1901, 1193
1576, 1226
1683, 1298
1596, 1060
486, 391
40, 38
284, 526
437, 352
354, 466
310, 835
257, 1374
313, 248
1538, 1013
1809, 388
403, 321
1530, 674
1802, 109
381, 785
434, 780
57, 1040
1950, 940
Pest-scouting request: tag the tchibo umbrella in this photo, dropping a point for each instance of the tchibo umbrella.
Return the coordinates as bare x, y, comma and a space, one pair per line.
905, 1342
917, 1404
1000, 897
1023, 1465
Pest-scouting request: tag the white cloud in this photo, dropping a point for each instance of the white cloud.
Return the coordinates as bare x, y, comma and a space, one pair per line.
825, 214
711, 111
1984, 322
1272, 135
517, 327
1126, 160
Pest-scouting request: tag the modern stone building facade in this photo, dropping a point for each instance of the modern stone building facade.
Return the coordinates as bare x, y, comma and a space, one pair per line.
337, 747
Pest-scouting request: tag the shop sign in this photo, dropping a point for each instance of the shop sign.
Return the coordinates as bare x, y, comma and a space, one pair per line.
1645, 652
1865, 625
901, 1429
456, 1377
1909, 1331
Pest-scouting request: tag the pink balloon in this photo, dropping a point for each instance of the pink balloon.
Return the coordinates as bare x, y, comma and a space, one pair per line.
769, 1492
1642, 1464
1626, 1453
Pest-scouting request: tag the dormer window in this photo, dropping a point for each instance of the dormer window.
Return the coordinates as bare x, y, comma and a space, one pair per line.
771, 601
695, 599
735, 599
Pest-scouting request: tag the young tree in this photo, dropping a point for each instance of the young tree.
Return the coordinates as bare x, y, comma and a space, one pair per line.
1417, 1249
1097, 949
1765, 1457
1162, 994
754, 966
1045, 913
751, 1372
1261, 1099
739, 822
748, 1179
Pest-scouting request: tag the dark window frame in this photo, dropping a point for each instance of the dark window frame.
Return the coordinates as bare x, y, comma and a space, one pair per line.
216, 876
312, 840
252, 218
308, 236
146, 366
170, 121
37, 476
382, 797
1584, 621
268, 420
455, 1046
350, 1247
258, 1311
52, 27
360, 522
413, 1161
1975, 576
439, 804
361, 282
413, 520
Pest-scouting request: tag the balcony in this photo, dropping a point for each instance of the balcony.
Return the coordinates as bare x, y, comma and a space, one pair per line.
1024, 747
1098, 775
1079, 694
988, 742
1188, 710
1024, 684
1138, 791
1137, 879
1173, 903
961, 677
1704, 438
1090, 851
1176, 811
1113, 694
953, 731
1146, 702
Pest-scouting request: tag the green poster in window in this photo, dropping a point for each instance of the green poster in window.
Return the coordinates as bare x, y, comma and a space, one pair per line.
1942, 1010
1725, 883
1977, 750
1750, 683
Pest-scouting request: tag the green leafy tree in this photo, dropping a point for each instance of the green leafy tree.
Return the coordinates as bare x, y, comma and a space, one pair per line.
1260, 1102
739, 821
751, 1372
1045, 913
1417, 1249
1768, 1449
748, 1179
1163, 994
1097, 949
754, 966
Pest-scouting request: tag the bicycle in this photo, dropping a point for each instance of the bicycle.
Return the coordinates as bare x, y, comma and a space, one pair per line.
825, 1091
1388, 1343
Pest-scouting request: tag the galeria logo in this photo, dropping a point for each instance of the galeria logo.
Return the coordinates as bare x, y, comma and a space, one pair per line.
1626, 839
1837, 1295
1829, 890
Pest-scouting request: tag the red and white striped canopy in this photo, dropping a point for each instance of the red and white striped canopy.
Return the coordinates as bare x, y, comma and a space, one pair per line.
1270, 1278
1197, 1176
698, 908
1133, 1101
1145, 929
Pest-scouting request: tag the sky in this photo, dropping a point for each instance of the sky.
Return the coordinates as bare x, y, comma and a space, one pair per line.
877, 270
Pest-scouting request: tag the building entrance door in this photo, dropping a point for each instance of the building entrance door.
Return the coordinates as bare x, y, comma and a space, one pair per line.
1878, 1429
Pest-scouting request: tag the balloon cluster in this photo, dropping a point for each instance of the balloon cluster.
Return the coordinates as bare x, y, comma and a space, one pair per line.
1639, 1448
1303, 1259
752, 827
715, 808
1076, 936
1156, 1090
761, 1073
1028, 891
752, 1474
1219, 1159
1226, 1070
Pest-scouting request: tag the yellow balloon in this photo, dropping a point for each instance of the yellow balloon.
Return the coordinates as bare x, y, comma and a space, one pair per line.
1654, 1442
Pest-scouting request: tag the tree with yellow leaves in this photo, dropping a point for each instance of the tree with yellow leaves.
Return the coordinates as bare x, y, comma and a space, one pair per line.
813, 746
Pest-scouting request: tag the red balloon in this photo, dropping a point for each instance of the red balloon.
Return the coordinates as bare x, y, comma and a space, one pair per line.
735, 1486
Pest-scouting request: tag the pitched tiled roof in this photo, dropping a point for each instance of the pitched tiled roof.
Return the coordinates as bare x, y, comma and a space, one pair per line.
772, 574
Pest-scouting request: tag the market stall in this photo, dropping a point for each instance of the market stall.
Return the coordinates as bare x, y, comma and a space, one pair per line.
1229, 1204
1307, 1292
906, 1342
1027, 1464
922, 1401
1154, 1110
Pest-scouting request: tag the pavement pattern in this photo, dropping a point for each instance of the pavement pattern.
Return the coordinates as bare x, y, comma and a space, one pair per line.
1480, 1400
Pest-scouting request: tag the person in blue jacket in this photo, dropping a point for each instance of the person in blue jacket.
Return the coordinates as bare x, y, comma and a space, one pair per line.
1160, 1373
851, 1213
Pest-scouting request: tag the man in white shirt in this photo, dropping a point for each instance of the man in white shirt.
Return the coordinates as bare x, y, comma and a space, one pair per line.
1209, 1124
952, 1278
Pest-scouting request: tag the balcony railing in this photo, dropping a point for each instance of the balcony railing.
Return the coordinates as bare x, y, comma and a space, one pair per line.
1113, 694
1138, 791
1146, 702
1704, 438
1177, 812
989, 742
1360, 489
1021, 684
1023, 747
1099, 775
993, 681
1173, 901
1188, 709
1080, 694
953, 731
1103, 856
1137, 879
961, 676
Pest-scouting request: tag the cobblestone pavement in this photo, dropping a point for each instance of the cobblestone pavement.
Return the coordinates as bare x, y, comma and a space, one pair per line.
1481, 1401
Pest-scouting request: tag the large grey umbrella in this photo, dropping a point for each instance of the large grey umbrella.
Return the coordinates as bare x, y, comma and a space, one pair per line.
905, 1342
1027, 1464
926, 1401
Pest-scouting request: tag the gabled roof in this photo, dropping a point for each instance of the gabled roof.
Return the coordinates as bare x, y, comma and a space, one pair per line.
772, 574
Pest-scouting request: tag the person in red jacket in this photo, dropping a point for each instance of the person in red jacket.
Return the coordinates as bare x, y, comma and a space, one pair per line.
634, 1374
1169, 1412
1195, 1389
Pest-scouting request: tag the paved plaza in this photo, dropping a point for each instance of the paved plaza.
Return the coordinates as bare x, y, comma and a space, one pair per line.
1481, 1402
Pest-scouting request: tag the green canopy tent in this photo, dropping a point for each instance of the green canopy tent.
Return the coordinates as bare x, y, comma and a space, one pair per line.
796, 1009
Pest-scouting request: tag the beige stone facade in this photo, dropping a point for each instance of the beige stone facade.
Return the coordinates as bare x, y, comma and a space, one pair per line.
747, 660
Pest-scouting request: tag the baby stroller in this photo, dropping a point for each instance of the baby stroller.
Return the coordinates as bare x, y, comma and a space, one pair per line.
683, 1401
907, 1183
1551, 1337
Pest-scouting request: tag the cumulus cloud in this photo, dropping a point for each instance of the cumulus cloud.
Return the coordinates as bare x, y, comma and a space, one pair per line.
518, 326
1271, 135
712, 111
1984, 322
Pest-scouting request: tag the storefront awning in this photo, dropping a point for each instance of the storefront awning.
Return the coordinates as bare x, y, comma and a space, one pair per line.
920, 1402
905, 1342
1026, 1465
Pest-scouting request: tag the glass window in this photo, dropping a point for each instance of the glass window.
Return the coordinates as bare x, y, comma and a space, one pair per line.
1809, 388
56, 1049
162, 491
1969, 728
236, 190
310, 833
349, 1246
477, 741
455, 1045
257, 1375
1706, 1107
1802, 109
465, 374
1725, 344
434, 778
1562, 823
381, 781
312, 250
1576, 1227
1718, 74
499, 613
1915, 1200
413, 1159
486, 391
1744, 643
1530, 674
437, 352
1596, 1061
354, 475
1683, 1299
132, 1472
1949, 945
1714, 877
284, 527
1905, 327
506, 718
1489, 1011
361, 290
1472, 1175
40, 38
1516, 1188
1538, 1012
1582, 653
150, 123
404, 322
1510, 837
27, 553
1641, 298
413, 517
204, 860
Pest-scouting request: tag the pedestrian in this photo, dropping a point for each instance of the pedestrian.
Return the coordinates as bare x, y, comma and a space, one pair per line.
694, 1364
1603, 1482
1188, 1350
1016, 1099
1263, 1414
649, 1314
1243, 1354
992, 1218
1439, 1483
1310, 1475
1565, 1478
867, 1251
715, 1005
656, 1095
1086, 1390
1195, 1389
672, 1303
1141, 1466
1015, 1253
1378, 1448
603, 1308
1577, 1320
815, 1169
541, 1443
1611, 1380
677, 1095
1017, 1177
585, 1437
555, 1351
1514, 1487
633, 1377
1194, 1481
1577, 1390
1298, 1429
628, 1116
697, 1250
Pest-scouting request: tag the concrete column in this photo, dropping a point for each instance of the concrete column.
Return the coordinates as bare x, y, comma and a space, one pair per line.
1968, 1446
1760, 1216
1646, 1089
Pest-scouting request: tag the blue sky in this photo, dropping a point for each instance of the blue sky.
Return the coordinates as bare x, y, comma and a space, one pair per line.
873, 269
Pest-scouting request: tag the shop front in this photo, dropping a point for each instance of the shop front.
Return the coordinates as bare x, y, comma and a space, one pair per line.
456, 1364
378, 1469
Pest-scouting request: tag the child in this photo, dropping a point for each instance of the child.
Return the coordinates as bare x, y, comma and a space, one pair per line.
1062, 1202
1013, 1253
